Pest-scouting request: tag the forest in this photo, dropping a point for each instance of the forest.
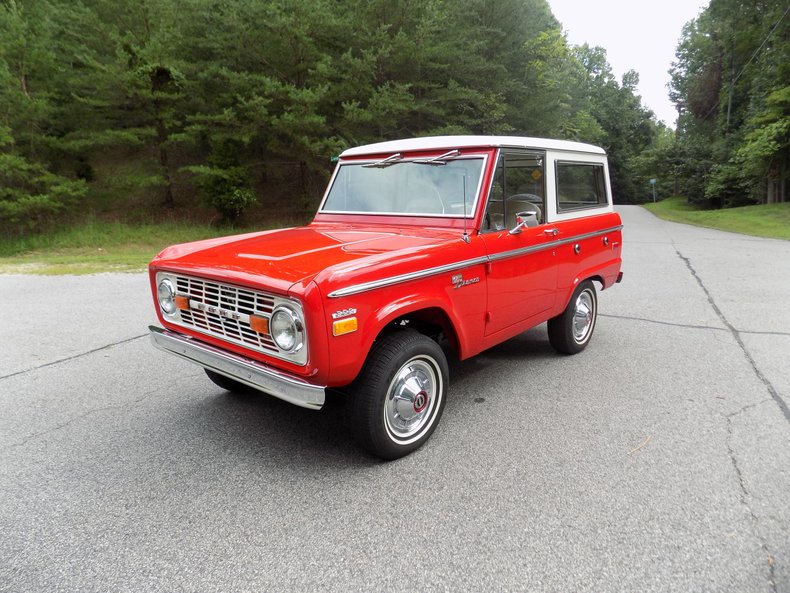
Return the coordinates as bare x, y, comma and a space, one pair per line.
731, 84
232, 110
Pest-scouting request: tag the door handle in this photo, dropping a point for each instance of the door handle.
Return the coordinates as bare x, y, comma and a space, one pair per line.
551, 232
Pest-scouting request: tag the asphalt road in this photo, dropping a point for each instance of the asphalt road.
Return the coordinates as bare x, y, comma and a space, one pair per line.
656, 460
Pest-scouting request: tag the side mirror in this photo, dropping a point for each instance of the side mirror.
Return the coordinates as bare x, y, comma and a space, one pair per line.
524, 219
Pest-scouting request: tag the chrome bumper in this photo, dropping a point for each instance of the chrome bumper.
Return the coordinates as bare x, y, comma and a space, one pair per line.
252, 373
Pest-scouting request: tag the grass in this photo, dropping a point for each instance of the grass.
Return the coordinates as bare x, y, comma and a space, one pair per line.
95, 247
768, 220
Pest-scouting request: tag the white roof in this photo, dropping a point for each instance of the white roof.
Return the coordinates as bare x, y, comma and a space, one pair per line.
450, 142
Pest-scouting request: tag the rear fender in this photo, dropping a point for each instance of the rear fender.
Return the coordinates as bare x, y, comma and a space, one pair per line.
605, 274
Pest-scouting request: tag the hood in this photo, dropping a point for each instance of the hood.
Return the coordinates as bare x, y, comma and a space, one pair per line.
279, 259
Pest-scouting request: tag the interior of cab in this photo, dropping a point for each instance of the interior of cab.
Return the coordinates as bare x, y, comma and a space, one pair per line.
423, 197
517, 192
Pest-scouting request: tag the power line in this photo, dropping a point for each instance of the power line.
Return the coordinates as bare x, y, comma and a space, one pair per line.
754, 55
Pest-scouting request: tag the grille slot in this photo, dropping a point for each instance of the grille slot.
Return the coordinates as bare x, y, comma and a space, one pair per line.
229, 299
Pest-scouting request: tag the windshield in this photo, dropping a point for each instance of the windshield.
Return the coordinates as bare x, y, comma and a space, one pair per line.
422, 187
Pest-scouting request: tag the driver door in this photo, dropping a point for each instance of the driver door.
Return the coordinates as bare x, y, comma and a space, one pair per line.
522, 274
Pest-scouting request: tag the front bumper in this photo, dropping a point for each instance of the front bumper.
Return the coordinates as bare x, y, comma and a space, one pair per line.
244, 370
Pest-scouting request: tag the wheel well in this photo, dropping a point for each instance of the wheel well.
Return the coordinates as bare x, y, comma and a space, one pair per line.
432, 322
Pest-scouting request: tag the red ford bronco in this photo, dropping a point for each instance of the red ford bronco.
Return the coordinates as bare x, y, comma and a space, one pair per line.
463, 240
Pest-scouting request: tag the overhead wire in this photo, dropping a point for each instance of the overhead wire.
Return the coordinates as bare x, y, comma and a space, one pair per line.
754, 55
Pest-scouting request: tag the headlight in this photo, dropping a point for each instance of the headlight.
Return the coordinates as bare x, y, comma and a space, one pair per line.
287, 330
167, 297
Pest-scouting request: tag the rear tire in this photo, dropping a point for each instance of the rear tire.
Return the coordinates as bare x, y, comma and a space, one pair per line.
227, 383
570, 332
398, 398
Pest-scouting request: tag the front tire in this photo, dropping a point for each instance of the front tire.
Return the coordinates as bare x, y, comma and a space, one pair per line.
398, 398
571, 331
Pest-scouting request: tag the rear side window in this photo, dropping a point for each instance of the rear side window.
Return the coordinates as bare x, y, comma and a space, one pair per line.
580, 185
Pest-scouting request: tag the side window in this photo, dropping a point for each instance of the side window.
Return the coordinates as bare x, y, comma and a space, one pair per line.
518, 186
494, 219
580, 185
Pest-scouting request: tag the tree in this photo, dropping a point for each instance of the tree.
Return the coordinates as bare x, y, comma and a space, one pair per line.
729, 81
243, 102
30, 192
628, 128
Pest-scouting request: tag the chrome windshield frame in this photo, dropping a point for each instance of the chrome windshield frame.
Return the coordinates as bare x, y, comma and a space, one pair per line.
473, 193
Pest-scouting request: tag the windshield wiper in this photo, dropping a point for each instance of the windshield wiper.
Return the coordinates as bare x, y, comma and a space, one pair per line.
390, 160
439, 160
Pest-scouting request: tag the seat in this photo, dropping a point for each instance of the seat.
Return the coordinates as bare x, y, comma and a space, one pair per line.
514, 206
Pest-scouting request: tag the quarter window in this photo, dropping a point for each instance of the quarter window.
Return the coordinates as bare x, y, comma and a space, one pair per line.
580, 185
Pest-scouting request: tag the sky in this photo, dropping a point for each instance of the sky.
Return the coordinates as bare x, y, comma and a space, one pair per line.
639, 35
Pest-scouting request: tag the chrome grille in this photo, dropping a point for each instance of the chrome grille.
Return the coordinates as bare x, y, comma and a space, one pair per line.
230, 300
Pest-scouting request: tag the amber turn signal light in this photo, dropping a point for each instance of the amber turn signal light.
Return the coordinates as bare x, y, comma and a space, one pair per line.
344, 326
259, 324
182, 302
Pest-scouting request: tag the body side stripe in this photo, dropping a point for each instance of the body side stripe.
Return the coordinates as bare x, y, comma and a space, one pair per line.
358, 288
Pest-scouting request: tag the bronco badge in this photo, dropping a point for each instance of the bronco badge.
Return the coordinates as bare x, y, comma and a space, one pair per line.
343, 313
459, 282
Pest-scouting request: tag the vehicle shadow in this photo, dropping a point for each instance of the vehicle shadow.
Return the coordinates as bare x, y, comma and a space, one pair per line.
258, 426
528, 347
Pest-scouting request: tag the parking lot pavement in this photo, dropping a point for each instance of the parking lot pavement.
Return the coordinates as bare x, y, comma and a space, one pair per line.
656, 460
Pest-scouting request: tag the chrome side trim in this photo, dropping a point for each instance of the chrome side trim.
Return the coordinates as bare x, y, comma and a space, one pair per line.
590, 235
244, 370
358, 288
551, 244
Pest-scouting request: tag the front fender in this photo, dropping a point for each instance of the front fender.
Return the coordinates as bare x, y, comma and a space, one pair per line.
463, 310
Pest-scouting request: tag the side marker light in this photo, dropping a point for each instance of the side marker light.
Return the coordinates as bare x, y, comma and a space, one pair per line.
344, 326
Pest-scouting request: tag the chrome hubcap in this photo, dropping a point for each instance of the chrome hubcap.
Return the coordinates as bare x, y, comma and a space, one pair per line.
420, 401
583, 316
412, 399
